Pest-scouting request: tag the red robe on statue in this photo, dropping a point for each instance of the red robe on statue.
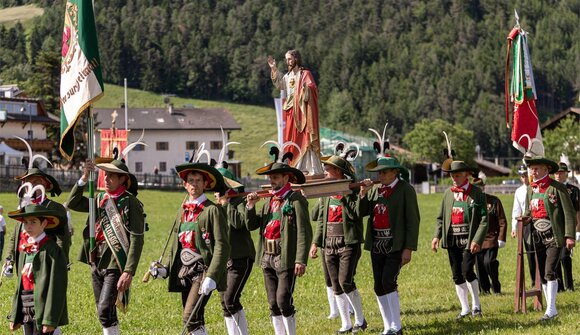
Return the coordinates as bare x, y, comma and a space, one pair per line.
300, 111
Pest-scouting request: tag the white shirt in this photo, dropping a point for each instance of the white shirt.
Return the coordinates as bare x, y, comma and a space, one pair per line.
2, 224
519, 205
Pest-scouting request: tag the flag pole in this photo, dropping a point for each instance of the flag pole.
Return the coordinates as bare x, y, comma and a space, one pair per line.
91, 156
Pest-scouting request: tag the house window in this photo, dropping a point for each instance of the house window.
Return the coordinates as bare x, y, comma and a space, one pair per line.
162, 166
162, 146
138, 167
139, 147
215, 145
191, 145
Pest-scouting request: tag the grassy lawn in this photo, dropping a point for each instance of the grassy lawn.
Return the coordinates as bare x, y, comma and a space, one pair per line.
258, 123
428, 300
9, 16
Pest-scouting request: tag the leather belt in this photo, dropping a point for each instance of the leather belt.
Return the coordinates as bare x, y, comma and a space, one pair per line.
334, 229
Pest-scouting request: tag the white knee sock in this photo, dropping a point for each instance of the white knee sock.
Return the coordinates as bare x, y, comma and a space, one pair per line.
395, 306
290, 324
242, 322
473, 287
331, 303
551, 292
114, 330
463, 299
278, 323
385, 311
342, 304
355, 301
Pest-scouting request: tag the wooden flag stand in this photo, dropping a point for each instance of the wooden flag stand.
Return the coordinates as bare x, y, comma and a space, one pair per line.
521, 294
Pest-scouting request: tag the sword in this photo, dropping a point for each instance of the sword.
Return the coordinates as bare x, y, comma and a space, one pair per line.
147, 275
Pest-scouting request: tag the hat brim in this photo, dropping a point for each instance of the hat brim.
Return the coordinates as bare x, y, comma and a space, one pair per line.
325, 160
53, 218
552, 166
375, 167
109, 167
298, 175
131, 182
215, 178
52, 187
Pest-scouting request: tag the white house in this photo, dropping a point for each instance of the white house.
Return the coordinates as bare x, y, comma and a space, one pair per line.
24, 117
172, 134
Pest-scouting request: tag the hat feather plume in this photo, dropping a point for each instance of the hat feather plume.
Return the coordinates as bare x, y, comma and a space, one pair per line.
28, 195
531, 141
349, 152
32, 158
382, 145
221, 163
276, 149
449, 153
133, 145
202, 151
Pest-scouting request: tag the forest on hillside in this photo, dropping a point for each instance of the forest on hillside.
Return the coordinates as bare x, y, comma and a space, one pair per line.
400, 61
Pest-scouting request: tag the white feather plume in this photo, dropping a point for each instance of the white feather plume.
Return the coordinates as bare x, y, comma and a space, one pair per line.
32, 158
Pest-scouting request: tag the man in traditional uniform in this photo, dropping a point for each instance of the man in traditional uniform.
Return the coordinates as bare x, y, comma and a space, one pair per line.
551, 214
391, 234
200, 248
486, 259
119, 227
567, 281
518, 209
285, 238
461, 229
242, 253
300, 109
340, 233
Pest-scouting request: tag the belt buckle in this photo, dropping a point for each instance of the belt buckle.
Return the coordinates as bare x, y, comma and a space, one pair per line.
271, 246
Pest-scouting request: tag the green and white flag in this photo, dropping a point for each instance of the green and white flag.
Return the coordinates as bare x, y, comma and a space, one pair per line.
81, 79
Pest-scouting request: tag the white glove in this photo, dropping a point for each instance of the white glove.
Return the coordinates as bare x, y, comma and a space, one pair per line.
578, 236
158, 270
500, 244
7, 270
207, 286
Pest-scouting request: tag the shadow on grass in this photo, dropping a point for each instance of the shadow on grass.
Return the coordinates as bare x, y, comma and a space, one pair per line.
423, 311
471, 326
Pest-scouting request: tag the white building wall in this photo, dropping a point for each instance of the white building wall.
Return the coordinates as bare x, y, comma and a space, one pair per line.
151, 158
12, 129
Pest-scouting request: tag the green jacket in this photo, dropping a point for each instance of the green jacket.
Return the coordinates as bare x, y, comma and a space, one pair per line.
351, 220
215, 254
60, 234
478, 217
404, 216
295, 230
560, 210
131, 211
50, 283
240, 239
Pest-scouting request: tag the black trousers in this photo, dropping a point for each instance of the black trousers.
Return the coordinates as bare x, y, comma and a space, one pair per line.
530, 252
342, 268
279, 286
193, 302
327, 280
462, 263
386, 270
488, 270
548, 260
29, 328
565, 281
105, 292
238, 273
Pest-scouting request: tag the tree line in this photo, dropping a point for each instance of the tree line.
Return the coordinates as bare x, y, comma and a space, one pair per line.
374, 61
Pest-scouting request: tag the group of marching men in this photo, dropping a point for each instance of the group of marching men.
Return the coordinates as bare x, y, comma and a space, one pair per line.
211, 246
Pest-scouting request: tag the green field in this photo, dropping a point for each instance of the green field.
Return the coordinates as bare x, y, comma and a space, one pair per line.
258, 123
428, 300
9, 16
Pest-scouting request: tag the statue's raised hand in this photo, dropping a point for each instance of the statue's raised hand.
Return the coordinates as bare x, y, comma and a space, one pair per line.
272, 62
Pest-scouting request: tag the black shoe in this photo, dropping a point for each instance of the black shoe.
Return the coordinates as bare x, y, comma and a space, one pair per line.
570, 289
476, 312
461, 316
359, 328
547, 318
348, 331
394, 332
